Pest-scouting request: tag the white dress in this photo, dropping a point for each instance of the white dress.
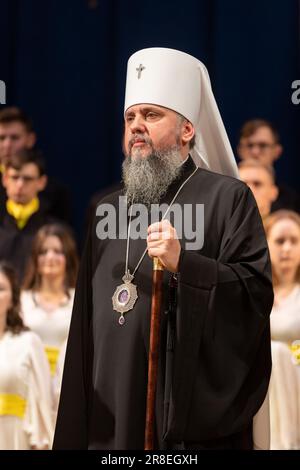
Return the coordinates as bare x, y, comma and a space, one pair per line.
51, 326
57, 378
25, 397
285, 378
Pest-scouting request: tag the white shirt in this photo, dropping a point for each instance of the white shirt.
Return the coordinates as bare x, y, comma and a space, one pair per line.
24, 375
285, 378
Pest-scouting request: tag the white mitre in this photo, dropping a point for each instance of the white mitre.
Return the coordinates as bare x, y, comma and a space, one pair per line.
179, 81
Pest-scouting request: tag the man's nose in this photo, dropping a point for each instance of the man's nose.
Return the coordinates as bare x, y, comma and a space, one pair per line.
137, 124
6, 143
20, 182
255, 150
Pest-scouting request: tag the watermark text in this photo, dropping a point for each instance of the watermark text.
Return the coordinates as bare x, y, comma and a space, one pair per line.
187, 219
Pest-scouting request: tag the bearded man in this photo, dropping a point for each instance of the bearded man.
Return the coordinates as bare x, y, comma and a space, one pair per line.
214, 358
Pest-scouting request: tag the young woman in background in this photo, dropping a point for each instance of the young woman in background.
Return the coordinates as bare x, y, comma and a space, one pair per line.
283, 233
25, 384
47, 298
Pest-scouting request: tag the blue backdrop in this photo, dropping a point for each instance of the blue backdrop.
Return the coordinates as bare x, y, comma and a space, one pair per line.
64, 62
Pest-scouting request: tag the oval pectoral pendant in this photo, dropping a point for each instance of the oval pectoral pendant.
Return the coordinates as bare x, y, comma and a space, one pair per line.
124, 297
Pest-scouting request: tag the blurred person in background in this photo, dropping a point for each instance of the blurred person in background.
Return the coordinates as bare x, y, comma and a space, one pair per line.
283, 233
47, 298
17, 133
24, 178
260, 140
25, 389
261, 180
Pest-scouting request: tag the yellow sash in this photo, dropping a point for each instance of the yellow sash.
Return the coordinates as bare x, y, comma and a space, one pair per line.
13, 405
22, 212
295, 350
52, 355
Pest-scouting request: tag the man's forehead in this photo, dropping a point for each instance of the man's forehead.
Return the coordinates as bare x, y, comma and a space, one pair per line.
255, 173
12, 127
28, 168
263, 133
147, 106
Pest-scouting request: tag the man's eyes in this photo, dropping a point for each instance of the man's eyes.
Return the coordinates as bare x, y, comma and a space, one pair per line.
152, 115
149, 115
12, 137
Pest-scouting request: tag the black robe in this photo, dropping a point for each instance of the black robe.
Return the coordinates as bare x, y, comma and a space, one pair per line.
16, 244
214, 353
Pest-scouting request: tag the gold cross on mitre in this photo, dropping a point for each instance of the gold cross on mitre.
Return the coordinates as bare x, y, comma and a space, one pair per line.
139, 70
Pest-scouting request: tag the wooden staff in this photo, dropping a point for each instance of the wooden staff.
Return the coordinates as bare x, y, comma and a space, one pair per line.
156, 302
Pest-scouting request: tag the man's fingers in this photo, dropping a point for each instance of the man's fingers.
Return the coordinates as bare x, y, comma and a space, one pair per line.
159, 226
165, 235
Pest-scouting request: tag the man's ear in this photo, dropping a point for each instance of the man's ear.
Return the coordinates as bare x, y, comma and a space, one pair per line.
31, 140
43, 180
277, 151
274, 194
4, 178
187, 132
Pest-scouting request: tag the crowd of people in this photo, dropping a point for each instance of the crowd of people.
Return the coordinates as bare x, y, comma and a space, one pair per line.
258, 148
39, 266
38, 271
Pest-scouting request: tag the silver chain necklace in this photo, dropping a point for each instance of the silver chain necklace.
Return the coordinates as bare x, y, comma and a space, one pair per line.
125, 295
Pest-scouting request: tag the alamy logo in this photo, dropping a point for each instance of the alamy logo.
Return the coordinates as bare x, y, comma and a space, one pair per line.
296, 93
188, 221
2, 92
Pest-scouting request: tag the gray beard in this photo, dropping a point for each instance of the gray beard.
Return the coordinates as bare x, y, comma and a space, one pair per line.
146, 180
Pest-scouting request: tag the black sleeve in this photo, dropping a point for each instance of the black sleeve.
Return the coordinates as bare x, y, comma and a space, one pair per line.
222, 352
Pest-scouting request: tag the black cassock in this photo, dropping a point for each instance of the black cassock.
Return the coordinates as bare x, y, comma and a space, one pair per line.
215, 356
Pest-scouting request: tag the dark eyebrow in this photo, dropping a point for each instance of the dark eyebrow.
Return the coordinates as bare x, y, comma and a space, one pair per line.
129, 113
150, 108
145, 109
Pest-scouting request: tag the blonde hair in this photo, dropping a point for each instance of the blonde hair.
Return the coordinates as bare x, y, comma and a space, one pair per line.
253, 163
